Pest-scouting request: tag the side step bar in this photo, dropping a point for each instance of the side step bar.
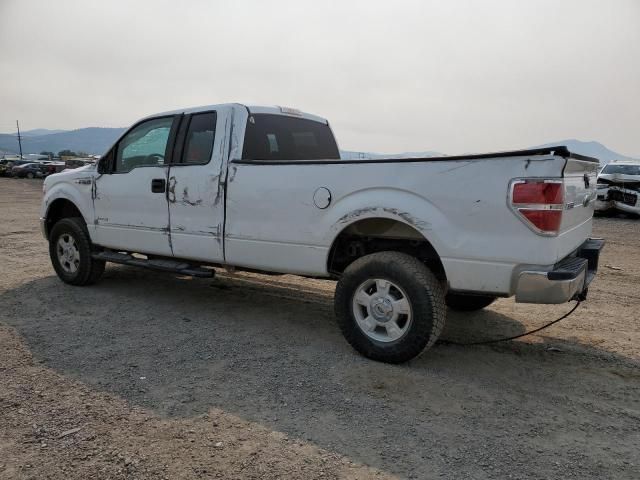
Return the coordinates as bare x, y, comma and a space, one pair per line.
173, 266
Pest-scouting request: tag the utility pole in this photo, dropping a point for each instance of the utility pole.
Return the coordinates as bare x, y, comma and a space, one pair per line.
19, 139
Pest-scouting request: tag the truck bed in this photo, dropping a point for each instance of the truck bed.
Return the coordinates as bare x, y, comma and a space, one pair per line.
458, 203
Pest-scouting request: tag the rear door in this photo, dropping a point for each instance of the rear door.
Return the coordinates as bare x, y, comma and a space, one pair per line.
196, 188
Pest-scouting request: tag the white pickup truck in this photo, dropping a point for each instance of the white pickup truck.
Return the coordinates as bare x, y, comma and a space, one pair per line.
264, 189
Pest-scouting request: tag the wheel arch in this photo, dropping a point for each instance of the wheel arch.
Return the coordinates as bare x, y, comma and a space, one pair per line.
373, 234
58, 209
389, 213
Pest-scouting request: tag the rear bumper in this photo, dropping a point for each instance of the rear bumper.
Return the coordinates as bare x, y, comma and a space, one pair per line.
568, 280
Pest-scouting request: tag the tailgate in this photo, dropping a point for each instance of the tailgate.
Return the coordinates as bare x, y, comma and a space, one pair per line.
580, 178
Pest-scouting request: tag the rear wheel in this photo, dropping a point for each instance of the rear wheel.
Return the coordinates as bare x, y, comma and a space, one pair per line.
30, 175
390, 307
70, 252
468, 303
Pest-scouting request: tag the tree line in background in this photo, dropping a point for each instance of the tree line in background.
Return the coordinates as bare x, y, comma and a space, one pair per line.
65, 153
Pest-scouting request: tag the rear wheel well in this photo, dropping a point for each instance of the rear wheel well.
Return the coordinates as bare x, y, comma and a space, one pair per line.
59, 209
373, 235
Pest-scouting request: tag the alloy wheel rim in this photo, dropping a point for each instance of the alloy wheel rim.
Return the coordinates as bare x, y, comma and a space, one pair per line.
68, 253
382, 310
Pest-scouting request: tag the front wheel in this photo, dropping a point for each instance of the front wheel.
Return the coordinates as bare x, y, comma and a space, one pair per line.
468, 303
390, 306
70, 252
30, 175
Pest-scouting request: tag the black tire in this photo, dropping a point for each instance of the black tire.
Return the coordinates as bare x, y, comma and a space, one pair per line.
89, 270
468, 303
423, 291
30, 175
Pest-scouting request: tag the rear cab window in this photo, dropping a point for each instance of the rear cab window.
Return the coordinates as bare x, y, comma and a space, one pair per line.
279, 137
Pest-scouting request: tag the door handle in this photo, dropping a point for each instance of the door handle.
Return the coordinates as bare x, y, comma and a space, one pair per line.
158, 185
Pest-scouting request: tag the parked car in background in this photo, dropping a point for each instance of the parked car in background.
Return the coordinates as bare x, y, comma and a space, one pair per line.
79, 162
54, 167
14, 163
5, 167
619, 188
28, 170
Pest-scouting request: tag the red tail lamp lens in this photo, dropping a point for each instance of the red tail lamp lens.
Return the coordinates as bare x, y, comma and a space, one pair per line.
540, 204
545, 220
537, 193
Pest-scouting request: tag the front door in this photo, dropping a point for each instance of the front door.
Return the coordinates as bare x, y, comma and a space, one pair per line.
196, 188
131, 198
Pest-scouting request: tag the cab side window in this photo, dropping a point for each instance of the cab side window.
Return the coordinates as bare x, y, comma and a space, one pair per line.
145, 145
198, 144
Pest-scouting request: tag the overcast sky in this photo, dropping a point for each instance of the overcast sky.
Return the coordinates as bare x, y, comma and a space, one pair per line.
452, 76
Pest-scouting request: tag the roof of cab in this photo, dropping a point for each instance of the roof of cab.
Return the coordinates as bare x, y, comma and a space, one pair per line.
251, 109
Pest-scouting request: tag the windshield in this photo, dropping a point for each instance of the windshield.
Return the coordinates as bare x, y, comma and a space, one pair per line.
278, 137
623, 169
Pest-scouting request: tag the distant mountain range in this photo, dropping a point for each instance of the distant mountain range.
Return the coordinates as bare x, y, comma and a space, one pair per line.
92, 140
590, 149
96, 141
39, 131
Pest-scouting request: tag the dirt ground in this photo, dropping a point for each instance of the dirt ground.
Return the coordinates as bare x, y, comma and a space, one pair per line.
149, 375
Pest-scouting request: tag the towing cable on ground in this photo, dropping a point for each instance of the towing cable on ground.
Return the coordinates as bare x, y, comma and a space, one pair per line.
506, 339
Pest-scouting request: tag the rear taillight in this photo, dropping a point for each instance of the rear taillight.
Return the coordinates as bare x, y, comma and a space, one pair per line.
539, 203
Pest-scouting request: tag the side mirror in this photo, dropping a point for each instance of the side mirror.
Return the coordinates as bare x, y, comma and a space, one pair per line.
104, 163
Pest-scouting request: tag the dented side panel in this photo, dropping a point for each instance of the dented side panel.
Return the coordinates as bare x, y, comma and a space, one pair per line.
459, 206
128, 215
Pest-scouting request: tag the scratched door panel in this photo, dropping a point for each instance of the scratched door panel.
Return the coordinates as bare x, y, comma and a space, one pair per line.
129, 215
196, 187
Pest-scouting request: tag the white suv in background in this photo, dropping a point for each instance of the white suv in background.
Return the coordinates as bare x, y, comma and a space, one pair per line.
619, 187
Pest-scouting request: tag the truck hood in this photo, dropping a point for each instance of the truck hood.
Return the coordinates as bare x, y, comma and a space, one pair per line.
70, 174
87, 170
619, 177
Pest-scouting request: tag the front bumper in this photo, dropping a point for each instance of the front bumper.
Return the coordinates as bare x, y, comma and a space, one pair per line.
602, 203
618, 198
623, 207
568, 280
